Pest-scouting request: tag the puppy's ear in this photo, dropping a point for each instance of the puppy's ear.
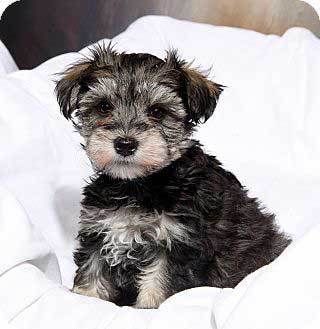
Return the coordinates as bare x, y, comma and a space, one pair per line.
200, 95
77, 78
68, 88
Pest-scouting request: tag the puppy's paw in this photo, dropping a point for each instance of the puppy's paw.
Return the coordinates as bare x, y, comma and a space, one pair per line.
90, 292
151, 300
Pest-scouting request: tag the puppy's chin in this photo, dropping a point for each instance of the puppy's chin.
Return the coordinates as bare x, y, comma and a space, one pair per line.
151, 155
142, 163
129, 167
125, 170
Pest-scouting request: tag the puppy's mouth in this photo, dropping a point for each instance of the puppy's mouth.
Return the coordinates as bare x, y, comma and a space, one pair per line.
128, 156
126, 169
146, 159
141, 163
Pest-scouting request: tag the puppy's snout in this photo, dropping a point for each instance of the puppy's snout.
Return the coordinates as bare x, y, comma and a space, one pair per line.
125, 146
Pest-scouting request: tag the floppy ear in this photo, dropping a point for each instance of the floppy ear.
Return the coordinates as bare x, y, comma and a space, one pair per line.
70, 85
200, 95
76, 79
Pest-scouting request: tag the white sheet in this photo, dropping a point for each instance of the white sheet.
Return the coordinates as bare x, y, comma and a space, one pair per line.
7, 63
265, 130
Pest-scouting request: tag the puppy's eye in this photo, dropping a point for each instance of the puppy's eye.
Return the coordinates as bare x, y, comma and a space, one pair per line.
104, 108
156, 112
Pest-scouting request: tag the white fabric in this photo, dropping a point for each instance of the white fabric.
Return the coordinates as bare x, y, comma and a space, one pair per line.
7, 63
265, 130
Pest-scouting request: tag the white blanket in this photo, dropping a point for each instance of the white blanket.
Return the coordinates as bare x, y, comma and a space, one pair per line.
7, 63
265, 130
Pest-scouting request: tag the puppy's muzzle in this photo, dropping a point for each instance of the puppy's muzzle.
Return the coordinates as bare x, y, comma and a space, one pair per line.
125, 146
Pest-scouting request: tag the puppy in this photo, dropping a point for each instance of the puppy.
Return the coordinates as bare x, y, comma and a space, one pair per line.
160, 215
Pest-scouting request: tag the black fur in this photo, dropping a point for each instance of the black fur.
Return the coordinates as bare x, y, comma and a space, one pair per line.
231, 235
168, 217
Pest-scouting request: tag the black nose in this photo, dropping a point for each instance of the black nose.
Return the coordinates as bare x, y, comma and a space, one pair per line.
125, 146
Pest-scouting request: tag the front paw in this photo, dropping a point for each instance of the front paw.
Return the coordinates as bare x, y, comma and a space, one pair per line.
85, 291
151, 300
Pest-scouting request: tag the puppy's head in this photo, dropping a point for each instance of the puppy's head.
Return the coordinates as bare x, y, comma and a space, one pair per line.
136, 112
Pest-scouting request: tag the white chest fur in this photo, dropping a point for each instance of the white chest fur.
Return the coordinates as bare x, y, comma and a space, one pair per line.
125, 228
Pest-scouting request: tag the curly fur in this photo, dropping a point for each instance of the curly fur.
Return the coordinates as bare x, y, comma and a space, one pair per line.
167, 217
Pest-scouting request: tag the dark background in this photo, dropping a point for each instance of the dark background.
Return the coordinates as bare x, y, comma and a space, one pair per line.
27, 27
36, 30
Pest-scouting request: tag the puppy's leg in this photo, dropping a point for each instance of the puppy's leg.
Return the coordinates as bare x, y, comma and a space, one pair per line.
92, 279
152, 282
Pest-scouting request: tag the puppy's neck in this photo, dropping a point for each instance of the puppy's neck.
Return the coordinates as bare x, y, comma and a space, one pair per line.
156, 191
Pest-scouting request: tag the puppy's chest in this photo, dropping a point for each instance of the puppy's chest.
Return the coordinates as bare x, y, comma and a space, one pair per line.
132, 236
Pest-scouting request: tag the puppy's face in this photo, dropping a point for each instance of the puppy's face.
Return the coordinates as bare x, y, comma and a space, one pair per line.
136, 112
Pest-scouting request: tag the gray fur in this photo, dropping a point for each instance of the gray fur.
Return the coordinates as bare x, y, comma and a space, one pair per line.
124, 228
160, 215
